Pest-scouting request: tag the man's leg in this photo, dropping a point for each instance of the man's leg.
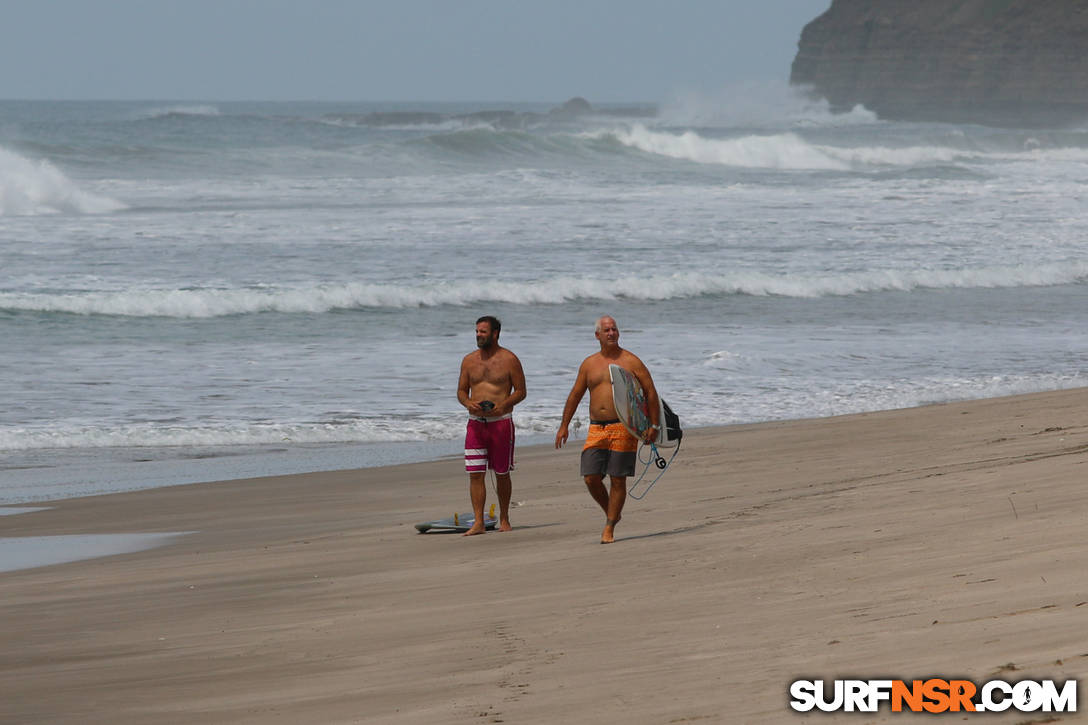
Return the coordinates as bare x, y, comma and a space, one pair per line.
501, 455
477, 492
503, 488
595, 484
617, 496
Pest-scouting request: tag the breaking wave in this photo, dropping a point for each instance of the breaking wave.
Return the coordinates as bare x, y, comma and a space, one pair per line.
378, 429
780, 151
784, 151
317, 299
31, 188
153, 435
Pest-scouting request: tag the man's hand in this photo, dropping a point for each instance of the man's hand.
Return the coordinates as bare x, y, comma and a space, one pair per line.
561, 436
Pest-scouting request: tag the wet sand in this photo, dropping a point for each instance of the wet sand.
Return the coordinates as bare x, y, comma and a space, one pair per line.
946, 540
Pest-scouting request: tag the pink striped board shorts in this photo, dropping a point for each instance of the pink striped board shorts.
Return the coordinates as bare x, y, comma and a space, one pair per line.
489, 443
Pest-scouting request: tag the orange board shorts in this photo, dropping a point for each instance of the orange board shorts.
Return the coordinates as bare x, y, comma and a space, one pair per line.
609, 450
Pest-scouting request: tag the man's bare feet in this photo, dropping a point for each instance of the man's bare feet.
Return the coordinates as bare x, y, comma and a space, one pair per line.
505, 526
476, 529
609, 533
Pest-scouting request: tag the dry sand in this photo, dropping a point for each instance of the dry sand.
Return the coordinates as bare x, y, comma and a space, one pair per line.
944, 540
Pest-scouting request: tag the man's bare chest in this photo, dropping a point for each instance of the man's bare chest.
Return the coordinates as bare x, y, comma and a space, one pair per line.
490, 371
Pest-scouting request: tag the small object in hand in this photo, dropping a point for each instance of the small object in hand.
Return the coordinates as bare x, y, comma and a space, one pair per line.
486, 405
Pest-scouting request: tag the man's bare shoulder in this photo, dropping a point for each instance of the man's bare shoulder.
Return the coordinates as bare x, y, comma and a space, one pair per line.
595, 360
508, 353
504, 358
628, 358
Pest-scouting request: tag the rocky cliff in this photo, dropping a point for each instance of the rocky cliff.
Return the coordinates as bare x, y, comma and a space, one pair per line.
994, 62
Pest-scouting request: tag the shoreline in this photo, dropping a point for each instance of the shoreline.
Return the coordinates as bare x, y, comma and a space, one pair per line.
940, 540
80, 472
124, 470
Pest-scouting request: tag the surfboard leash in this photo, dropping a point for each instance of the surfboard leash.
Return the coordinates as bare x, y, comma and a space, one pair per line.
655, 459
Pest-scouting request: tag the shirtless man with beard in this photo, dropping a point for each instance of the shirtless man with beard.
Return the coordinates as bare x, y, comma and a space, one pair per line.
492, 383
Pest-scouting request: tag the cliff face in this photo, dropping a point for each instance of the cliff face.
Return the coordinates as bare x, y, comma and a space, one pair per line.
995, 62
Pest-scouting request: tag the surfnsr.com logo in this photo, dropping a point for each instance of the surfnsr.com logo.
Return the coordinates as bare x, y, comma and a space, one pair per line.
933, 695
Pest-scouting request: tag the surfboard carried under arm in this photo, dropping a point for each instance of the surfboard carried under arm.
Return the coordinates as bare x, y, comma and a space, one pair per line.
632, 409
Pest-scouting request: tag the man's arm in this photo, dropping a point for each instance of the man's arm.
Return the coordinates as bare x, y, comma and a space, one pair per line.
517, 387
575, 397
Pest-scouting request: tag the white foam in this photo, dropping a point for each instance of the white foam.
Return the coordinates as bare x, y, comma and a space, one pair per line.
446, 425
311, 299
777, 151
887, 156
151, 435
783, 151
790, 151
30, 188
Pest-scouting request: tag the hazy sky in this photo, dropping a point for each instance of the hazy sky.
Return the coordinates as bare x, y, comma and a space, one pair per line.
484, 50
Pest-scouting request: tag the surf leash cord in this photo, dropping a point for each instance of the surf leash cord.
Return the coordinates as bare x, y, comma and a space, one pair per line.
655, 459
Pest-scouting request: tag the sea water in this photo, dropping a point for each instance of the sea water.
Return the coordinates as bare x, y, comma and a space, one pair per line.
204, 291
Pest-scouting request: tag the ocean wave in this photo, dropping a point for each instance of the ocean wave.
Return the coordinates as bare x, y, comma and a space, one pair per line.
482, 143
798, 146
790, 151
179, 110
317, 299
31, 188
887, 156
778, 151
381, 429
781, 151
151, 435
784, 151
437, 125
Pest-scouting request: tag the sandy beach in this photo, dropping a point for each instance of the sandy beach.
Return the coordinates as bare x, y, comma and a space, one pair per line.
946, 540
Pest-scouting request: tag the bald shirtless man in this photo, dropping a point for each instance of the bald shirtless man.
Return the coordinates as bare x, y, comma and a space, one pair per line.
492, 383
609, 448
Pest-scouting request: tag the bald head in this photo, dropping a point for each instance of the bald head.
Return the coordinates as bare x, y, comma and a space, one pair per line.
607, 333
